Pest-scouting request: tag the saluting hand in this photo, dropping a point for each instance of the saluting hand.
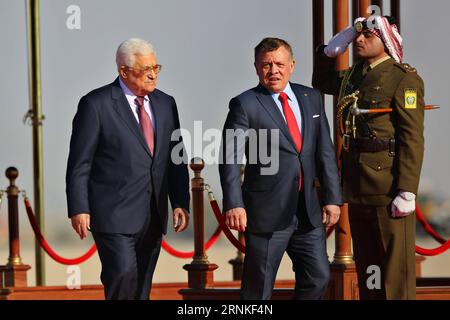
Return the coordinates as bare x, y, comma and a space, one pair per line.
236, 219
339, 43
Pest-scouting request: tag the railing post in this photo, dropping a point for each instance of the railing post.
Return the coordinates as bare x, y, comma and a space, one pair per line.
395, 12
14, 273
318, 24
344, 283
200, 271
13, 217
37, 119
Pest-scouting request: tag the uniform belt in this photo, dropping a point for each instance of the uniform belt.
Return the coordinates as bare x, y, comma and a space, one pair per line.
372, 145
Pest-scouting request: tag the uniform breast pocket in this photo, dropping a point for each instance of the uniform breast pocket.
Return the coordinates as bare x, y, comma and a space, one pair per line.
376, 100
376, 173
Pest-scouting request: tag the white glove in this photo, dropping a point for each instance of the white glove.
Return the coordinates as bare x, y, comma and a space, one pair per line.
403, 205
339, 43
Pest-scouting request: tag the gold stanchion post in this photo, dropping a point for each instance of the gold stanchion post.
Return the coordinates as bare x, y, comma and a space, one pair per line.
200, 271
14, 273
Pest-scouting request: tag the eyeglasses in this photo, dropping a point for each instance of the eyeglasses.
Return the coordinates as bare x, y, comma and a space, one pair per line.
146, 70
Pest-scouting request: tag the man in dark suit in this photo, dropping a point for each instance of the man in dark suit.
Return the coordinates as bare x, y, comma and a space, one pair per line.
283, 209
120, 172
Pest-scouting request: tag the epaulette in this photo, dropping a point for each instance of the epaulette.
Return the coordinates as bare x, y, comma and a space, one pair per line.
405, 67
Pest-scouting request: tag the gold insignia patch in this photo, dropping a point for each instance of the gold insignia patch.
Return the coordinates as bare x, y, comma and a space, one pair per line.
410, 98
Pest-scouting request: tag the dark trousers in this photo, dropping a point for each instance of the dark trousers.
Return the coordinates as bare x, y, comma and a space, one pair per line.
129, 260
388, 243
306, 247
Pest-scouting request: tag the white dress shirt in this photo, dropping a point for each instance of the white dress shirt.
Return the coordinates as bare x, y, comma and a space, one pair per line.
293, 103
134, 108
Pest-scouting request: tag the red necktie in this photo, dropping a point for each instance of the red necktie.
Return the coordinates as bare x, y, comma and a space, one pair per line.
146, 124
292, 126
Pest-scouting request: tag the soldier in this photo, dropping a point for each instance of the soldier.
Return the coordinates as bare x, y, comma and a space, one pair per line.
383, 152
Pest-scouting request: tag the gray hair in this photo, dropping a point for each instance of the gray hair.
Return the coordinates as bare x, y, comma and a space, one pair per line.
131, 47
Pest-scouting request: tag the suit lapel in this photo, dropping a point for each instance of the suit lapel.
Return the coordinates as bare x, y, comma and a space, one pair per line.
271, 108
303, 100
122, 107
158, 119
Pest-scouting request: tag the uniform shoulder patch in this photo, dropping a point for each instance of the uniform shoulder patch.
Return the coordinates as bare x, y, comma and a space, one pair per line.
405, 67
410, 98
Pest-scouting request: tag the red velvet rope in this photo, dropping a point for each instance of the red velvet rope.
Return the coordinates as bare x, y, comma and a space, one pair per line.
186, 255
427, 227
221, 219
433, 252
47, 247
445, 245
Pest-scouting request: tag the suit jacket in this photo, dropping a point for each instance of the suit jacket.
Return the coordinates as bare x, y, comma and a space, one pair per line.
110, 172
272, 200
376, 178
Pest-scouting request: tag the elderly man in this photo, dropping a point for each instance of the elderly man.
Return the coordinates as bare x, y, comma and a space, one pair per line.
383, 152
280, 211
120, 174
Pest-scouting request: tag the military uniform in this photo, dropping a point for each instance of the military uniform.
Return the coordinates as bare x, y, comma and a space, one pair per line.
383, 157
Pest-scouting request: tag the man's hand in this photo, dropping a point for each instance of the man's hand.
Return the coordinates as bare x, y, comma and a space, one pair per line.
330, 215
236, 219
180, 219
339, 43
82, 224
403, 205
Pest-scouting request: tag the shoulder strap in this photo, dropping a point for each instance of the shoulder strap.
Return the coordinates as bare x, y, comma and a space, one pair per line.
405, 67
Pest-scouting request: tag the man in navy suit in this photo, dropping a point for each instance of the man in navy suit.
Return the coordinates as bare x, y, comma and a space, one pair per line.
280, 212
120, 173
